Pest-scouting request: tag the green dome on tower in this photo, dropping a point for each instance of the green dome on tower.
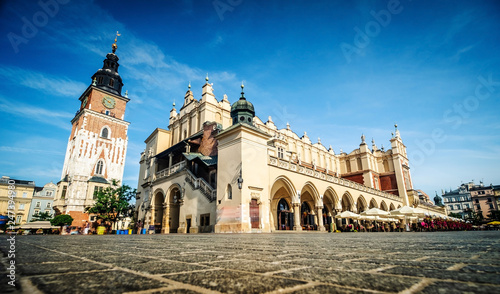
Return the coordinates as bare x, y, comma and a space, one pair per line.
242, 111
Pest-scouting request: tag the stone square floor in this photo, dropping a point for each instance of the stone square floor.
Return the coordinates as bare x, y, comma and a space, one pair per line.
439, 262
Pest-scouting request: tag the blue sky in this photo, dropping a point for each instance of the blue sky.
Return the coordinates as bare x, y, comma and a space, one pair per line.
329, 68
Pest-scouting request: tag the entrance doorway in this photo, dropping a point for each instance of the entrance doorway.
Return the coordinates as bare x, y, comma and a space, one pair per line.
254, 214
285, 217
174, 207
307, 217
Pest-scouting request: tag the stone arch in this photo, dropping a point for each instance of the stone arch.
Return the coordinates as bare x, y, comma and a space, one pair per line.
282, 189
361, 204
311, 189
330, 206
158, 200
347, 202
309, 201
173, 202
391, 207
399, 206
373, 203
383, 206
331, 199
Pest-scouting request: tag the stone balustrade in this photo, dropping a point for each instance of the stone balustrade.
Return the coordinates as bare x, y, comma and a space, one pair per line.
294, 167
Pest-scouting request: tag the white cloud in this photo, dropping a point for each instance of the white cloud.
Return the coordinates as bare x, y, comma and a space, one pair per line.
55, 118
53, 85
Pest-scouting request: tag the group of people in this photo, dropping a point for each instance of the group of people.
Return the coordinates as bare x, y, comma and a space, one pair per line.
431, 225
426, 225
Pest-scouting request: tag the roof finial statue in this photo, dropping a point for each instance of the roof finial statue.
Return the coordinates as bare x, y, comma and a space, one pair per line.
114, 46
94, 82
382, 147
206, 79
363, 139
242, 93
397, 131
287, 125
319, 140
126, 93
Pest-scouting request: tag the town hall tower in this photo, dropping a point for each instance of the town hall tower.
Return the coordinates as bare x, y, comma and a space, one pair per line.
97, 146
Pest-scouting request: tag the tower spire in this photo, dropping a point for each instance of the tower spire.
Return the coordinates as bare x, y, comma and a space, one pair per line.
107, 78
114, 46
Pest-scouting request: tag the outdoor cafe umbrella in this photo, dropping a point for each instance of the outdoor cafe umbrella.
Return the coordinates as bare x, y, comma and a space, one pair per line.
375, 212
405, 210
348, 214
38, 225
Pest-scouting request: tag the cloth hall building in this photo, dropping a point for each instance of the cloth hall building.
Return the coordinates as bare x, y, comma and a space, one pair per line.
220, 168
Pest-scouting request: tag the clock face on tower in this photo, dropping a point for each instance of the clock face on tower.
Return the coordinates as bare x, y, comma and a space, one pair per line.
109, 102
85, 101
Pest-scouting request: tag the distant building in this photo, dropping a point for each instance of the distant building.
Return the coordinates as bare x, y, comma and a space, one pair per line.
22, 201
459, 200
43, 199
484, 199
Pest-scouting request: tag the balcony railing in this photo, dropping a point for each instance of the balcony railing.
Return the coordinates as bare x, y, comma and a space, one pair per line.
170, 170
294, 167
200, 183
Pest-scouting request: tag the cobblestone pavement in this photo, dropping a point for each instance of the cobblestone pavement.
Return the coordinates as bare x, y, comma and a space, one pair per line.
447, 262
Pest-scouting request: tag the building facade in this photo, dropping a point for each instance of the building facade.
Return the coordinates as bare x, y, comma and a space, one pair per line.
43, 200
459, 201
485, 199
20, 204
97, 145
220, 168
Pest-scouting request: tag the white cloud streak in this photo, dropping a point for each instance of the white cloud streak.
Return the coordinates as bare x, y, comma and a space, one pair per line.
54, 85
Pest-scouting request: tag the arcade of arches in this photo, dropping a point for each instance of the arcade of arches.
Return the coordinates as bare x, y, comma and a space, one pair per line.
307, 209
166, 210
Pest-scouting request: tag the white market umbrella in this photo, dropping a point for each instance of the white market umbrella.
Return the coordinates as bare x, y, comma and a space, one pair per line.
348, 214
375, 212
405, 210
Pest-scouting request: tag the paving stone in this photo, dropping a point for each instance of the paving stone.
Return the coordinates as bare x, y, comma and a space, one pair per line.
353, 279
459, 288
328, 289
256, 263
234, 282
58, 267
446, 275
162, 267
97, 282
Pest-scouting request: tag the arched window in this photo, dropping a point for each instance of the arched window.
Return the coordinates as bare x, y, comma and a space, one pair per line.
386, 165
99, 167
111, 82
348, 165
229, 192
360, 165
104, 133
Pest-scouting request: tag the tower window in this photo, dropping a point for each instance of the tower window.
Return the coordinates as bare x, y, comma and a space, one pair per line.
99, 80
111, 82
229, 192
99, 167
63, 193
104, 133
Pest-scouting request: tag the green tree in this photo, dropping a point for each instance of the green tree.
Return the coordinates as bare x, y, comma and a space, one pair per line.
455, 215
112, 203
43, 216
474, 217
61, 220
494, 215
